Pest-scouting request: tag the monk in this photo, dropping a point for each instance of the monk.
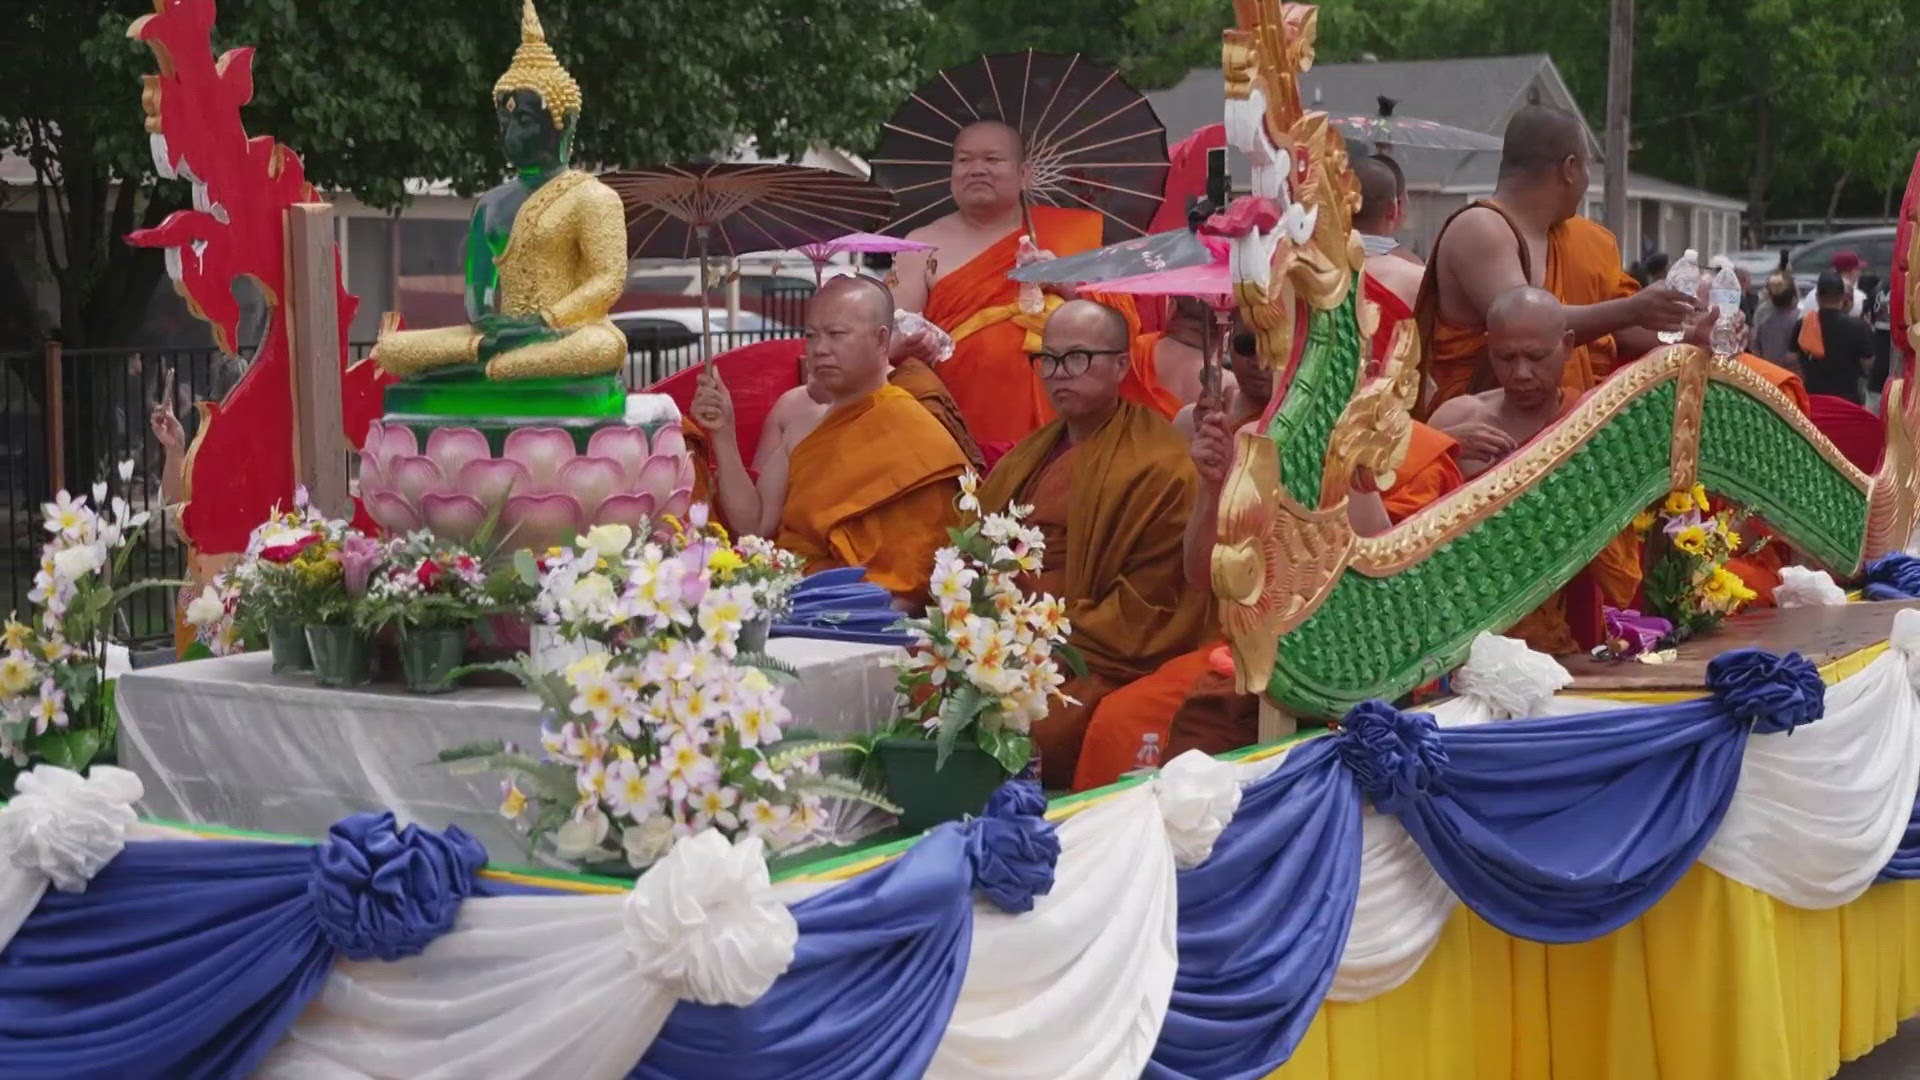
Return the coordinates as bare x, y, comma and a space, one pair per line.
1111, 487
874, 483
1529, 233
961, 286
1175, 356
1528, 345
1392, 280
1131, 727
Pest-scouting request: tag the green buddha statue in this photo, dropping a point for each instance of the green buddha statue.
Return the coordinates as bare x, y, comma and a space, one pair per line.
546, 259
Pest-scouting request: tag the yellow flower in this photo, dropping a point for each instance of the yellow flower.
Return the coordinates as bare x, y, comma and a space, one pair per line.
14, 638
514, 803
1692, 540
1733, 539
724, 562
1724, 590
1679, 502
16, 675
1699, 494
1643, 521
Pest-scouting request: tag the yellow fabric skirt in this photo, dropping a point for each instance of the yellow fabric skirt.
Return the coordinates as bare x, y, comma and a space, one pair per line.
1717, 980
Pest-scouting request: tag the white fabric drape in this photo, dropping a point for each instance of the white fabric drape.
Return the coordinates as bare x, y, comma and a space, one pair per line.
1078, 987
1818, 811
524, 987
59, 829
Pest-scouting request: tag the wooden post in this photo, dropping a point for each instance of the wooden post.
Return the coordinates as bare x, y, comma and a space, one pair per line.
56, 418
1274, 723
313, 330
1619, 114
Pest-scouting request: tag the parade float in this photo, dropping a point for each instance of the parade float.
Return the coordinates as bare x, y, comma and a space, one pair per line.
1511, 882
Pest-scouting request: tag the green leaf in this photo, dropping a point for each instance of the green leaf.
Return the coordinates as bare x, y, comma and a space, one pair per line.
843, 786
527, 568
197, 650
472, 750
783, 754
959, 710
1076, 663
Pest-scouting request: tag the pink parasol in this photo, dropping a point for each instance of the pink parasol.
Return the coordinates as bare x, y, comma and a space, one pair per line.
863, 242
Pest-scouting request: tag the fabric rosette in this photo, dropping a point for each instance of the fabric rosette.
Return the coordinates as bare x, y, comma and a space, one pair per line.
381, 892
1394, 756
545, 489
1511, 680
1774, 693
1013, 847
704, 922
1198, 797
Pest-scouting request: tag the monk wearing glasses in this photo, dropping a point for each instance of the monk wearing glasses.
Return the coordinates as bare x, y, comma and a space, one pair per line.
1111, 485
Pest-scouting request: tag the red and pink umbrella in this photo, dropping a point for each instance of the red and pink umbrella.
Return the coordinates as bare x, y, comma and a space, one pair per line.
856, 243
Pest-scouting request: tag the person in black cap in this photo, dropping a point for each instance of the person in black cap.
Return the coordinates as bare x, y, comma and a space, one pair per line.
1834, 348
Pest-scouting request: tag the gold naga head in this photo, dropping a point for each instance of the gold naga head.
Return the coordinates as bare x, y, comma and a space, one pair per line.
536, 68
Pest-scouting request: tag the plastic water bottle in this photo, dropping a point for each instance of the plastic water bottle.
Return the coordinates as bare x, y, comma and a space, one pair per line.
1726, 297
1148, 756
1683, 277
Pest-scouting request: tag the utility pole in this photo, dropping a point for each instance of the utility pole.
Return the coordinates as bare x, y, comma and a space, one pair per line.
1619, 112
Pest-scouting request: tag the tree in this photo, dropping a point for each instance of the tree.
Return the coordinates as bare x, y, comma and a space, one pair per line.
370, 100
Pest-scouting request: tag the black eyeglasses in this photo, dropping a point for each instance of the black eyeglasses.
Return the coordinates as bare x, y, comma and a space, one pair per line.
1072, 363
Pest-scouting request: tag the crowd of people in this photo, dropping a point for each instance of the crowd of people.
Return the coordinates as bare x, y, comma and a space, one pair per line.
1522, 307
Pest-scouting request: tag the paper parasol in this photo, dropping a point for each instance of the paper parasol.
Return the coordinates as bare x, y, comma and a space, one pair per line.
864, 242
1093, 142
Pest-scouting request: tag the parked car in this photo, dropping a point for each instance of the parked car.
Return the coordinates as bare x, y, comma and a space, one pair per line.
1874, 246
661, 341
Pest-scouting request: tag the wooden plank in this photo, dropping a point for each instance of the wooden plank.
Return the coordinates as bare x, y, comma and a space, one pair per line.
1821, 634
313, 329
56, 419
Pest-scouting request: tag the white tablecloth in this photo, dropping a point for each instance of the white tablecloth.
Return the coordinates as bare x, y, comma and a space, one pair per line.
228, 742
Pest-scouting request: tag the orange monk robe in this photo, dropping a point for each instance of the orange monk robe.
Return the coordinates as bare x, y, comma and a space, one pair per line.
1142, 385
1583, 267
1127, 500
1761, 569
916, 378
874, 486
989, 375
1147, 705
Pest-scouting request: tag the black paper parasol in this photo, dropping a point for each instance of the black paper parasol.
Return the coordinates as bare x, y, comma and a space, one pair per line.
1093, 142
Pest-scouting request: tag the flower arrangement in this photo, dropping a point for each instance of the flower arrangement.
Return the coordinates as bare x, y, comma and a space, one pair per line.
771, 572
413, 583
56, 702
659, 729
290, 574
1687, 582
987, 656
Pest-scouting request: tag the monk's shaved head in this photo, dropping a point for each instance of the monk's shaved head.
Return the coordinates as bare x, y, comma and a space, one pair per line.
1091, 324
1526, 309
1540, 137
863, 294
1004, 134
1380, 187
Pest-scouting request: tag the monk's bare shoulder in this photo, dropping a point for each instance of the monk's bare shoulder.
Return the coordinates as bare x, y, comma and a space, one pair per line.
1465, 409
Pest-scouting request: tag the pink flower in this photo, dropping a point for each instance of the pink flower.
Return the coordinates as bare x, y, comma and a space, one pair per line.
358, 556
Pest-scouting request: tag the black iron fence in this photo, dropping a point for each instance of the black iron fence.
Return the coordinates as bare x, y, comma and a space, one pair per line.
69, 416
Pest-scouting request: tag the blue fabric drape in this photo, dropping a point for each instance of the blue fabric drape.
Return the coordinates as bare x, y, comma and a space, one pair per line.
1263, 922
879, 964
841, 605
1563, 829
191, 958
1013, 847
1904, 863
1892, 577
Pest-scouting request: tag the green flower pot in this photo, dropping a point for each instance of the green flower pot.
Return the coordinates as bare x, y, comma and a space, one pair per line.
287, 640
927, 796
428, 658
342, 655
753, 634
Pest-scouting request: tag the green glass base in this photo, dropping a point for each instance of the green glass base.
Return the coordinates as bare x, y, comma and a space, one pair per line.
436, 402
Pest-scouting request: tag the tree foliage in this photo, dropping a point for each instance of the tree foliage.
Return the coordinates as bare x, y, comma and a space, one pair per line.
372, 94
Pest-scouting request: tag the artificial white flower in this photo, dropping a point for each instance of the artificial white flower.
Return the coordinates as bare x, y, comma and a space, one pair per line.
608, 541
646, 842
66, 515
207, 608
78, 561
126, 471
970, 492
583, 835
17, 673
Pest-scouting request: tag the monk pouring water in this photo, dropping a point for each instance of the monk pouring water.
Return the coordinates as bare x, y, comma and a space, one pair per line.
873, 482
1110, 486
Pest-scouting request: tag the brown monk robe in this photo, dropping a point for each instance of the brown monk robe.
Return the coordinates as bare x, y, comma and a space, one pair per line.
1110, 486
1131, 721
874, 483
1529, 233
1528, 341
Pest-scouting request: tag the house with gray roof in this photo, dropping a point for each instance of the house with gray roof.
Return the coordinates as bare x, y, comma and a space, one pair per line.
1479, 94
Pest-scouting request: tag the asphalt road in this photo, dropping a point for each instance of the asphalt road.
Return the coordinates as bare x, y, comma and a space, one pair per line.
1896, 1059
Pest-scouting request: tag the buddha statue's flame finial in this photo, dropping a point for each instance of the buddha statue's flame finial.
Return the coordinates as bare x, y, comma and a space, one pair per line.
536, 68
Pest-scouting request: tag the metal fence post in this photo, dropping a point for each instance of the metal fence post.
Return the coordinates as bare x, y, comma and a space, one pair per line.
56, 420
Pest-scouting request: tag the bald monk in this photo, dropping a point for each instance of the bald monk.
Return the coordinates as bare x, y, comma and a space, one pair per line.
961, 286
1111, 487
1173, 357
1140, 715
1529, 233
873, 484
1528, 344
